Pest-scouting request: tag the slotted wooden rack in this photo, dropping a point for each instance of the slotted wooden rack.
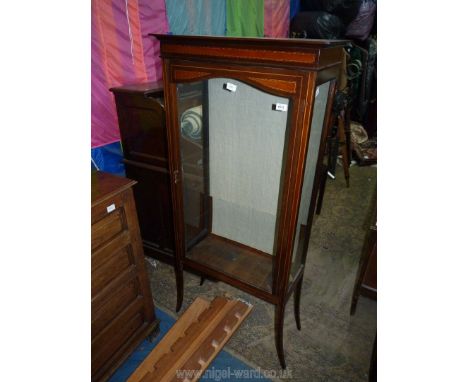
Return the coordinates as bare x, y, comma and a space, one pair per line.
193, 342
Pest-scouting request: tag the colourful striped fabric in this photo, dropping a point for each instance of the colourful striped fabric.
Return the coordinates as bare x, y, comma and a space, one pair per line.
103, 115
152, 20
122, 53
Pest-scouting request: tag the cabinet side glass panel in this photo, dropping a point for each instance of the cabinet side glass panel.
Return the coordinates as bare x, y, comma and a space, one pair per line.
194, 151
305, 214
232, 149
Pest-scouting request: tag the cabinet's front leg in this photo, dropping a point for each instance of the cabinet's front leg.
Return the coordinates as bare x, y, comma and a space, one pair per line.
279, 323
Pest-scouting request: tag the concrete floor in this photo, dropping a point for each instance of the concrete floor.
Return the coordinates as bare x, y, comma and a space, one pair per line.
332, 345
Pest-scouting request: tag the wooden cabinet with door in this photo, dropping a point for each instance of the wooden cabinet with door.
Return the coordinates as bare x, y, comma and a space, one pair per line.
142, 124
247, 121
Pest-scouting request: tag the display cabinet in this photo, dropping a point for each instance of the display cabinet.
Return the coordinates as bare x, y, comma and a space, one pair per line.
246, 121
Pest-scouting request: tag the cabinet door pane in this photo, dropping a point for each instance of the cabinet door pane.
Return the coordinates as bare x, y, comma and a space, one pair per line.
305, 213
232, 148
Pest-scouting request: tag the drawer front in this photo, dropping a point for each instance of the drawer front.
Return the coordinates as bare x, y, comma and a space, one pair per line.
113, 306
116, 264
117, 335
106, 251
108, 207
107, 228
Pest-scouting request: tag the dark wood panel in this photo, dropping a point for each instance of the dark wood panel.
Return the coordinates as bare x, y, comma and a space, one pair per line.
142, 125
152, 200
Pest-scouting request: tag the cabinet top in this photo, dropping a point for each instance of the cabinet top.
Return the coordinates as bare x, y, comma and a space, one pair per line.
104, 185
146, 87
286, 52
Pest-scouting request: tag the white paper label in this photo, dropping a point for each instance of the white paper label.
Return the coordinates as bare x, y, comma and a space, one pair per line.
281, 107
111, 208
231, 87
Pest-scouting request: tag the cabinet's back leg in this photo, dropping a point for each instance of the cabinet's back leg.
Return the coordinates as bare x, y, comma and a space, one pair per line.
180, 288
297, 303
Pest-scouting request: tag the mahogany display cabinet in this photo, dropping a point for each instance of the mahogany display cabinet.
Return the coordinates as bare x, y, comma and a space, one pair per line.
247, 120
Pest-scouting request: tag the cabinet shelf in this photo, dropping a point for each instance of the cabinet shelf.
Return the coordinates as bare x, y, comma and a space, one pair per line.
246, 264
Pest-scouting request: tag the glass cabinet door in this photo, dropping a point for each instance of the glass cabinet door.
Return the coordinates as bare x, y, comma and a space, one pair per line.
305, 213
232, 142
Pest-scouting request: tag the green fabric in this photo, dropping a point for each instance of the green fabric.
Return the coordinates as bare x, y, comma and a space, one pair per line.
244, 18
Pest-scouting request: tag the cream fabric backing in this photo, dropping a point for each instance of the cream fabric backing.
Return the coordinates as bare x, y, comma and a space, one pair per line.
246, 144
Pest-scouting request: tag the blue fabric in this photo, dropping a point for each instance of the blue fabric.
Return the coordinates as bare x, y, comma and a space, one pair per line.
224, 367
108, 158
294, 8
197, 17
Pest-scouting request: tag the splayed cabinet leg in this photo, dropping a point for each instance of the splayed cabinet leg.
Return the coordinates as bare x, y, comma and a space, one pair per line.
297, 303
279, 323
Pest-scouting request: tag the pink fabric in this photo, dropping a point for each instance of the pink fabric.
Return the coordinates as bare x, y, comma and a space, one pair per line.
153, 19
276, 18
104, 128
122, 53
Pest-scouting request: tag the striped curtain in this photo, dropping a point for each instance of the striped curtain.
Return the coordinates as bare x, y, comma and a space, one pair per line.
122, 53
276, 18
197, 17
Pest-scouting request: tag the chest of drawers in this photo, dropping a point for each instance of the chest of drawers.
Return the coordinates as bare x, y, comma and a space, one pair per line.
121, 303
